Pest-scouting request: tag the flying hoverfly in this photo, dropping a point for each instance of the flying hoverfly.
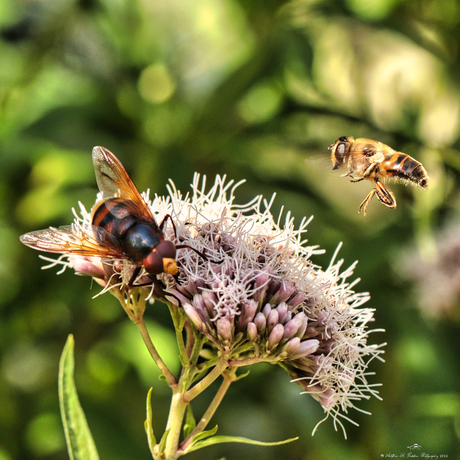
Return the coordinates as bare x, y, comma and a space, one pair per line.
374, 161
123, 226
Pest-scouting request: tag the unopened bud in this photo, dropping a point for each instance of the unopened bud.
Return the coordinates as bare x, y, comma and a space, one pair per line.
272, 320
248, 310
275, 336
252, 332
194, 317
306, 348
292, 346
260, 286
285, 291
88, 266
266, 310
282, 311
290, 328
303, 327
260, 322
297, 300
225, 328
210, 301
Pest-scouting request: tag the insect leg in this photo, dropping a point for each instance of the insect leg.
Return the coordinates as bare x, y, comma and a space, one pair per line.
385, 196
134, 276
365, 203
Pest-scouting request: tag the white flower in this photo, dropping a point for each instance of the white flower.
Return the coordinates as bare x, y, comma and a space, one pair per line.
256, 295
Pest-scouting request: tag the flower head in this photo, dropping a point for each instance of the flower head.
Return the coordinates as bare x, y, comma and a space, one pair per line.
246, 282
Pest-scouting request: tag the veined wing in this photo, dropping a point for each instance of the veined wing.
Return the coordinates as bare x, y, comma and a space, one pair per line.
113, 180
70, 240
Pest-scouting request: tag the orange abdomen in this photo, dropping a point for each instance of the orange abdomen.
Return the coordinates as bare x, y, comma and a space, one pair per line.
404, 167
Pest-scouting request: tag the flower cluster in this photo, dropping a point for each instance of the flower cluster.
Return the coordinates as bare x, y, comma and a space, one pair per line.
436, 272
249, 286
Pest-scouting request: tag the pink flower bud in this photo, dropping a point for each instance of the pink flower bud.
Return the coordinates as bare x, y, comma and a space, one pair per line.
292, 346
225, 328
260, 322
306, 348
290, 328
88, 266
248, 310
260, 286
285, 291
252, 332
194, 317
282, 310
266, 310
272, 320
275, 336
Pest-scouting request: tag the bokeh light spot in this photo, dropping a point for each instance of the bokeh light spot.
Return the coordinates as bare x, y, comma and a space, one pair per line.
156, 85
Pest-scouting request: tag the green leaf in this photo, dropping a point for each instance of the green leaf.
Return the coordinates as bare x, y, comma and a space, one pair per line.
80, 443
242, 376
204, 434
148, 422
163, 440
190, 421
222, 439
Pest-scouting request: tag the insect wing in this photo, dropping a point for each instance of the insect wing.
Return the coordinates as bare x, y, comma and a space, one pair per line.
70, 240
113, 180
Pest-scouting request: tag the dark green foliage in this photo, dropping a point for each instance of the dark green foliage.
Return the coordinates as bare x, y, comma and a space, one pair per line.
257, 91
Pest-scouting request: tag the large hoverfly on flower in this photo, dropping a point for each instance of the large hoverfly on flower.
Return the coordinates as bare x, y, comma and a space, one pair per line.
122, 226
374, 161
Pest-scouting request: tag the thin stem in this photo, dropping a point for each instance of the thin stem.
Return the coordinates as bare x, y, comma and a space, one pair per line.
191, 340
175, 420
198, 343
179, 322
228, 378
206, 381
170, 379
251, 361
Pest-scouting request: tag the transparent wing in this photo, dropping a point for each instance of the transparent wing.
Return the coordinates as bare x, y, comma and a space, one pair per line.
70, 240
113, 180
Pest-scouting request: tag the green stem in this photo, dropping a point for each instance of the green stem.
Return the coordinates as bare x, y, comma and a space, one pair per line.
192, 340
251, 361
179, 322
228, 378
175, 420
206, 381
170, 379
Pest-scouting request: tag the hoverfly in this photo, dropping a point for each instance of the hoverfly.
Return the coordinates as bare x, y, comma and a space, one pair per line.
372, 160
123, 226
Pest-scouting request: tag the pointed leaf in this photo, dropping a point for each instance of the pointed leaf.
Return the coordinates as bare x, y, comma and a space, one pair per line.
163, 440
80, 443
242, 376
222, 439
148, 422
204, 434
190, 421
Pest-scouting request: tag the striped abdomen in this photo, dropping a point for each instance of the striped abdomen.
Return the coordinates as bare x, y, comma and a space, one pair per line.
116, 223
404, 167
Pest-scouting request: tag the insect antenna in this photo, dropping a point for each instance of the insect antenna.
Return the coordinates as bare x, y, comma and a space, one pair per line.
185, 246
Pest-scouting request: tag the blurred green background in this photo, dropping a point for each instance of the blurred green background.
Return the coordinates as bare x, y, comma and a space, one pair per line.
255, 90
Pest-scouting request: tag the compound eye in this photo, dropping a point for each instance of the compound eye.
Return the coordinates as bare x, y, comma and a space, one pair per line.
161, 259
341, 149
153, 263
